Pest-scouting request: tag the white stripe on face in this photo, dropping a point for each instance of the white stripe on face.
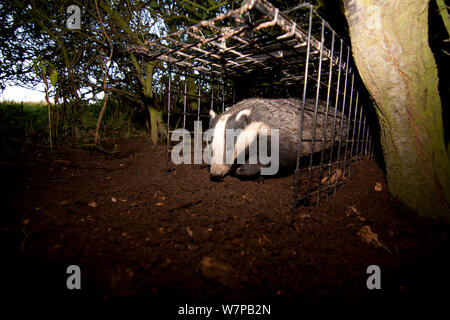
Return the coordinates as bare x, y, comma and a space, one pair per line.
247, 136
218, 142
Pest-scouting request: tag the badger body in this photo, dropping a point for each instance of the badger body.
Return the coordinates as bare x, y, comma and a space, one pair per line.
254, 115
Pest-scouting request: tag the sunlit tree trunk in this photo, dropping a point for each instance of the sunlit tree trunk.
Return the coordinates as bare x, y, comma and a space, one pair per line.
390, 47
145, 75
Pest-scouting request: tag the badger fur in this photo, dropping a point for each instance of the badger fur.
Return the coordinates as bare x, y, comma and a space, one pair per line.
253, 115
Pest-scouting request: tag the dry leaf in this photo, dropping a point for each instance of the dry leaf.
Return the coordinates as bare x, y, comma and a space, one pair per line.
189, 231
378, 187
192, 247
334, 177
304, 216
129, 272
220, 272
159, 204
113, 199
92, 204
63, 203
352, 210
368, 236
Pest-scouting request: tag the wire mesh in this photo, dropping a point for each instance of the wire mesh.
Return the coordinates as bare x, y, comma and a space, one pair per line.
259, 51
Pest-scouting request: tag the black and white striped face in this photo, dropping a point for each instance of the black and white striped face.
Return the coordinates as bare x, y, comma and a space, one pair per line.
233, 133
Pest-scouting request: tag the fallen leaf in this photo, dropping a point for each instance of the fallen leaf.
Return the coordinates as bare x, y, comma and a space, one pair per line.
159, 204
129, 272
25, 222
304, 216
217, 271
352, 210
189, 231
333, 178
378, 187
113, 199
192, 247
368, 236
92, 204
63, 203
236, 241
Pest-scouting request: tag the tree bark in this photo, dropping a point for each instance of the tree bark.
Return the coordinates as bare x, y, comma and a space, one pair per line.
390, 47
157, 126
145, 76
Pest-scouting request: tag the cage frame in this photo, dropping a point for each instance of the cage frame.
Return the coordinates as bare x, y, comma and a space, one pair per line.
193, 56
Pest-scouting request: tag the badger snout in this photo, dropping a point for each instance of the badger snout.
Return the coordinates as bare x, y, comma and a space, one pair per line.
218, 171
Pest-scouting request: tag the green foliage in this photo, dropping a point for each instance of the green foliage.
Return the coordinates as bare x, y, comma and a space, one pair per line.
26, 124
22, 123
54, 77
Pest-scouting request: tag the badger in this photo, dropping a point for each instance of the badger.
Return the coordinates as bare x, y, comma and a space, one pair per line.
253, 117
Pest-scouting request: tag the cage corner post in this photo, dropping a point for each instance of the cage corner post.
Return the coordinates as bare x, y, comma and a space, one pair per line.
168, 120
297, 166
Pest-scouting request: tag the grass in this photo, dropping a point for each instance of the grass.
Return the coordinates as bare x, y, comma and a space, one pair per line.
26, 123
21, 123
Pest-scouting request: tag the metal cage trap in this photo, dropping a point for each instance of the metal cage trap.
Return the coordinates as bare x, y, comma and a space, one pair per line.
258, 50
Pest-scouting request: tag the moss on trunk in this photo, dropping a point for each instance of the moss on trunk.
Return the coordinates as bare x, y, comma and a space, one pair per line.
157, 126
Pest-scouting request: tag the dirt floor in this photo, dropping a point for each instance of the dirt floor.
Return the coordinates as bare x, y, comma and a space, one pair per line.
137, 232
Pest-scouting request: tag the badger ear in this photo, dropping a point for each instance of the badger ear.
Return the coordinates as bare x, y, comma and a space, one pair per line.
212, 114
243, 114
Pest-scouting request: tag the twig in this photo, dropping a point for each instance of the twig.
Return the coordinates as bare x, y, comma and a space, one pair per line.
22, 245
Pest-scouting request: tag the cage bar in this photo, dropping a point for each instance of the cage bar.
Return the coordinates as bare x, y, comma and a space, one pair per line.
258, 50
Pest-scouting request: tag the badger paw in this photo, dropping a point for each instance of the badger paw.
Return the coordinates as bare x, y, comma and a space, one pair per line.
248, 170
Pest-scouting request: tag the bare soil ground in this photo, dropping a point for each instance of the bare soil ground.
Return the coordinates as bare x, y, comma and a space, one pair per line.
139, 233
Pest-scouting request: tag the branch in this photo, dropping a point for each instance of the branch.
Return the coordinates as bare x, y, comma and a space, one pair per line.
442, 8
105, 68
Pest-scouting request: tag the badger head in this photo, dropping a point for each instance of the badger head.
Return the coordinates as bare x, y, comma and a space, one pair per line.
232, 133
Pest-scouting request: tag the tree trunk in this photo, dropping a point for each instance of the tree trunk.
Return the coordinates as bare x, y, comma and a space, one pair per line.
156, 124
390, 47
